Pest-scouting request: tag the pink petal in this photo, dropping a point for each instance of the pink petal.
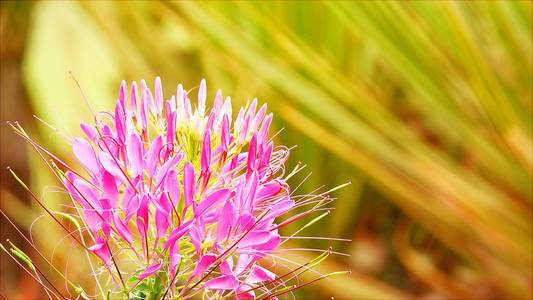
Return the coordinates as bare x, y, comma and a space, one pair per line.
180, 95
143, 215
107, 212
172, 187
226, 221
158, 95
268, 190
218, 101
150, 102
122, 229
188, 183
280, 208
246, 220
132, 207
227, 282
89, 131
151, 270
110, 188
101, 250
108, 140
176, 234
175, 259
265, 159
171, 104
144, 107
227, 109
255, 238
210, 121
212, 200
203, 263
166, 167
135, 154
262, 136
252, 108
251, 191
227, 266
272, 243
106, 229
197, 234
206, 151
252, 152
258, 117
161, 222
188, 109
224, 138
92, 219
84, 152
85, 194
243, 262
120, 122
171, 130
163, 203
259, 274
152, 156
243, 292
110, 165
243, 133
180, 103
202, 95
122, 94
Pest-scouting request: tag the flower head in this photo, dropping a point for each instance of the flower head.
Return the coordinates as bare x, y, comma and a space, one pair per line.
184, 187
189, 195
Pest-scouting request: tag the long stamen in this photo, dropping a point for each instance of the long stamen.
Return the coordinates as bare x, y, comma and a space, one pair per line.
294, 287
232, 187
43, 206
228, 250
37, 250
172, 281
310, 263
116, 266
28, 271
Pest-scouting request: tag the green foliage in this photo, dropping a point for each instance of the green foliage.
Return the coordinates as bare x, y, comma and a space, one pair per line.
149, 289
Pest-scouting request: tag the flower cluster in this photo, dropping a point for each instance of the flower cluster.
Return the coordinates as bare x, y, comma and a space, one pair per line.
190, 194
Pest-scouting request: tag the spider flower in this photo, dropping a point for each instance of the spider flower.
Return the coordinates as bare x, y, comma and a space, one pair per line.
191, 194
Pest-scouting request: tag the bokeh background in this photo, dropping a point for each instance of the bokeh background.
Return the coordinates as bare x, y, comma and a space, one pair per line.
424, 106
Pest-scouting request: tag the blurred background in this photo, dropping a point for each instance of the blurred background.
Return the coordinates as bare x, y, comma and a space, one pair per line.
424, 106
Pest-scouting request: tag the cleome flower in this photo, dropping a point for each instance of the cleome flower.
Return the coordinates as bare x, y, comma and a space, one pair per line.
179, 200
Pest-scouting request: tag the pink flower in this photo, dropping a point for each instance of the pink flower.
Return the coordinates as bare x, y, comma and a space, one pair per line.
192, 194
